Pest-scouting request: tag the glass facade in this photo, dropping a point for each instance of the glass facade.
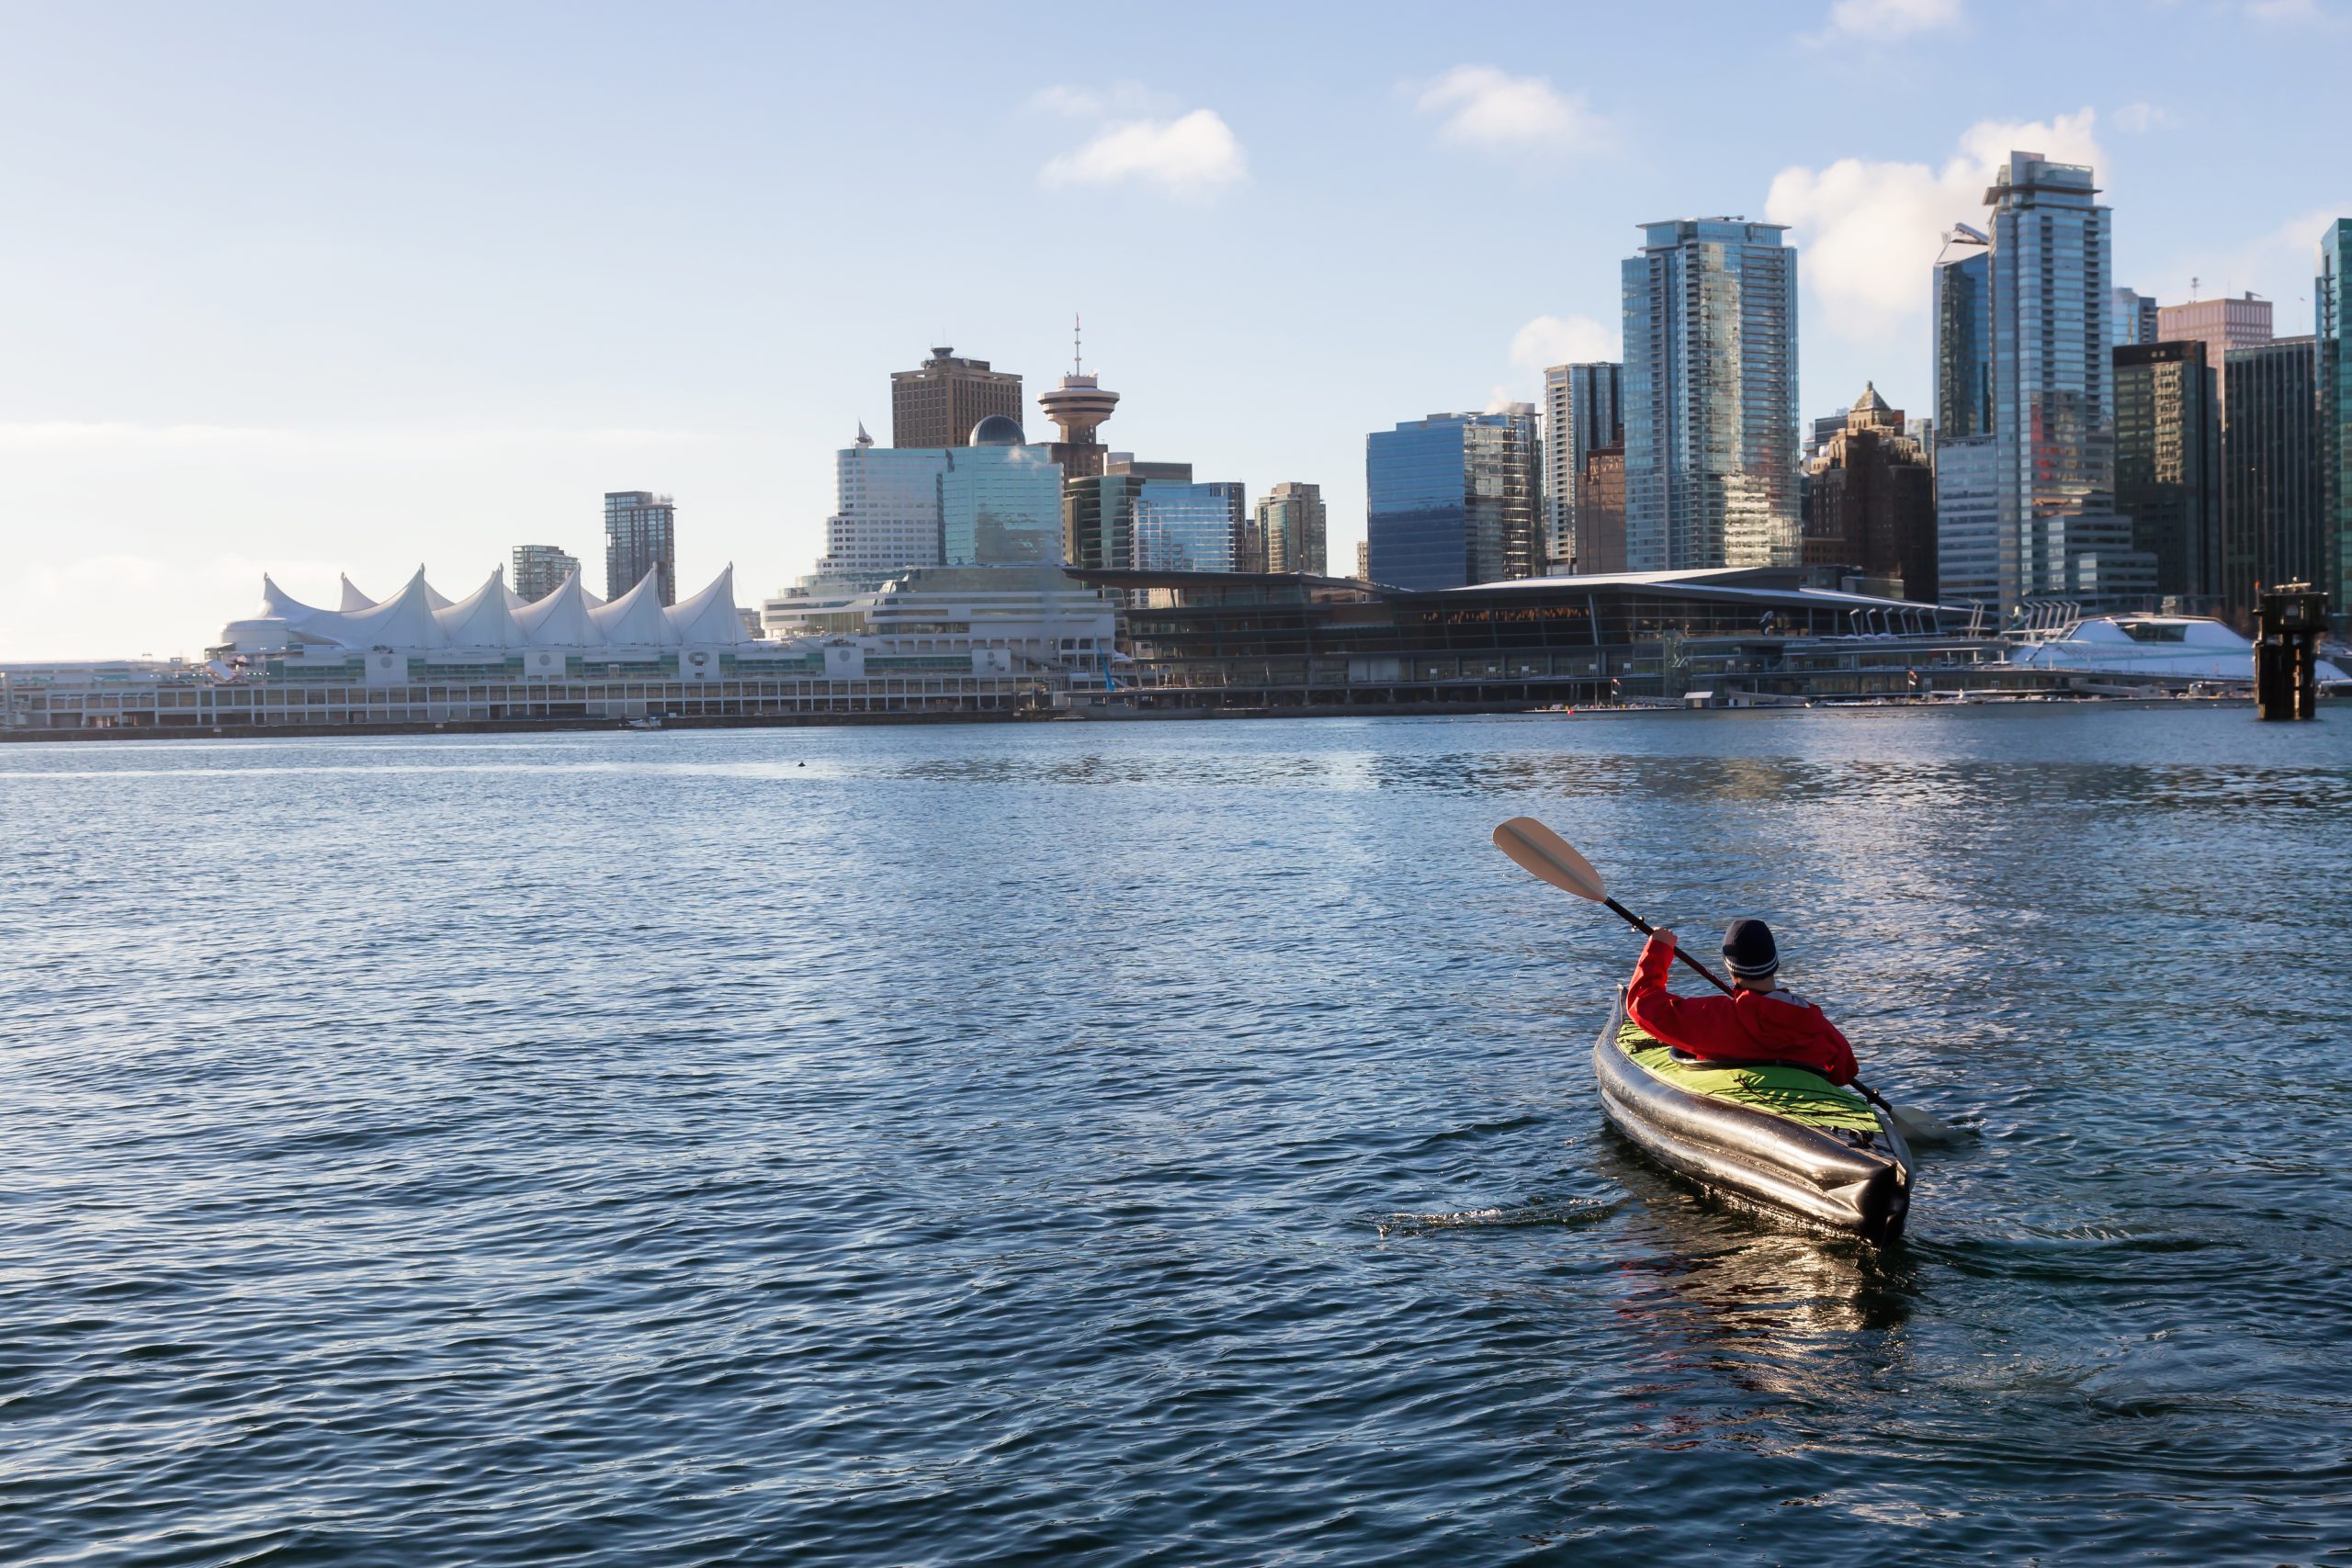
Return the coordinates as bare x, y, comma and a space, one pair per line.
2167, 464
2272, 529
2331, 310
1454, 499
1962, 305
1968, 521
1709, 397
1181, 527
1583, 409
2053, 407
540, 570
2131, 317
1001, 506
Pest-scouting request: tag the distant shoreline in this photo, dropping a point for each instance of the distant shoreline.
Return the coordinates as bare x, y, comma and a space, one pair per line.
1148, 715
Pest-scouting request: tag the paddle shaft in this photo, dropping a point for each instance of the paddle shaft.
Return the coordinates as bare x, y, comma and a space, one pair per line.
1644, 927
1717, 981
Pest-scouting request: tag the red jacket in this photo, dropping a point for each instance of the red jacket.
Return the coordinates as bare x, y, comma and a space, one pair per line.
1751, 1026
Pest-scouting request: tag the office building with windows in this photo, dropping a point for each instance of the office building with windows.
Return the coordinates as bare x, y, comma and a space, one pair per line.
1583, 409
1291, 525
2272, 514
885, 513
641, 539
1968, 521
2131, 317
938, 404
539, 570
2168, 463
1874, 504
1961, 307
1000, 499
2053, 377
1181, 527
1455, 499
1709, 397
2331, 315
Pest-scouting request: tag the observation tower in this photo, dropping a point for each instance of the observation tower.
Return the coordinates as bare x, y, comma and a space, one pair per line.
1078, 407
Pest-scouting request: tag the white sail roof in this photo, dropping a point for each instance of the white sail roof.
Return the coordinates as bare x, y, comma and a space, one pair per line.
404, 620
483, 619
562, 619
709, 616
432, 598
353, 599
277, 605
635, 617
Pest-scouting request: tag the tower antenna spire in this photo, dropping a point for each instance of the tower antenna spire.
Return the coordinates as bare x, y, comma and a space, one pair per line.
1077, 345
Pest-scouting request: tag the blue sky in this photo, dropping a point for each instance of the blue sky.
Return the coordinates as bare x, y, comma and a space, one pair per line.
356, 287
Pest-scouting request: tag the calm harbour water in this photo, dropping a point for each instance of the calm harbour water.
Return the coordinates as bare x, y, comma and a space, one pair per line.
1157, 1143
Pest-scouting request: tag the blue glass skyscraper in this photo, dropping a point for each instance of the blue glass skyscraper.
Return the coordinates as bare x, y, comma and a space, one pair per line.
2054, 398
1710, 397
1453, 500
2332, 304
1962, 310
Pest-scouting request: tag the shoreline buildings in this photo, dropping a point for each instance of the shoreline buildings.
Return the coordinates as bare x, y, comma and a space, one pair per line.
1709, 397
2332, 325
2168, 463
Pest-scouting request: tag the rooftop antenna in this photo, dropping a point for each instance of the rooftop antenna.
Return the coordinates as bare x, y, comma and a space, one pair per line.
1077, 345
2192, 289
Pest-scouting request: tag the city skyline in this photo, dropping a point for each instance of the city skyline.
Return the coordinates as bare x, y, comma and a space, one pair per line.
234, 349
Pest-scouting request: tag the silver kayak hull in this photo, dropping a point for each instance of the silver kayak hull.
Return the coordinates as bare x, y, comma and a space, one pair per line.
1754, 1158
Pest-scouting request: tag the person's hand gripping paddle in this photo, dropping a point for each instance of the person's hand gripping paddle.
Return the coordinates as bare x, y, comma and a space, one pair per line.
1548, 857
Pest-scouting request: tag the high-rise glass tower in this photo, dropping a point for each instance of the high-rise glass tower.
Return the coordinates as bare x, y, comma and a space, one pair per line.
938, 404
1583, 409
1963, 307
1711, 396
2272, 527
2168, 463
2053, 405
1290, 521
1968, 522
640, 536
1454, 499
2332, 309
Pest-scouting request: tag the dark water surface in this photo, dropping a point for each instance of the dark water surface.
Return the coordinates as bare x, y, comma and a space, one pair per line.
1158, 1143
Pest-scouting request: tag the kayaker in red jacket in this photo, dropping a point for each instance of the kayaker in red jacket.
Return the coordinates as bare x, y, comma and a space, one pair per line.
1758, 1022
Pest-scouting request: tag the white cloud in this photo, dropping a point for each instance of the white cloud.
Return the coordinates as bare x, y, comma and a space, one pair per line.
1487, 109
1891, 19
2139, 118
1563, 340
2286, 11
1119, 100
1193, 155
1868, 232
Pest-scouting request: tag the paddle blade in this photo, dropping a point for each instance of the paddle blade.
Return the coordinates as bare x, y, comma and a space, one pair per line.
1921, 1127
1542, 853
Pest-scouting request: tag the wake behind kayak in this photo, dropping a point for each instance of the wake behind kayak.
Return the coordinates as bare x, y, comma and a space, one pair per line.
1779, 1138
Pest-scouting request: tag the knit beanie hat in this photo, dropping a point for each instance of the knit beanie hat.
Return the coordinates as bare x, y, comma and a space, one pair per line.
1749, 951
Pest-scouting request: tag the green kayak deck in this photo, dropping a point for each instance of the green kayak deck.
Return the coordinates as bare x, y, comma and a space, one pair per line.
1802, 1096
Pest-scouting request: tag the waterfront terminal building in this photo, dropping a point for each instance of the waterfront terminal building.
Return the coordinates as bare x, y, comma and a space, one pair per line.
1246, 640
968, 641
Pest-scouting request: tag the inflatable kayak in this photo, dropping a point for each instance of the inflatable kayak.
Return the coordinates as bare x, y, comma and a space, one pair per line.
1767, 1136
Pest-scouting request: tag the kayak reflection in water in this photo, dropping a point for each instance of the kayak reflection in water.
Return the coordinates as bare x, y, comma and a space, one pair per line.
1758, 1022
